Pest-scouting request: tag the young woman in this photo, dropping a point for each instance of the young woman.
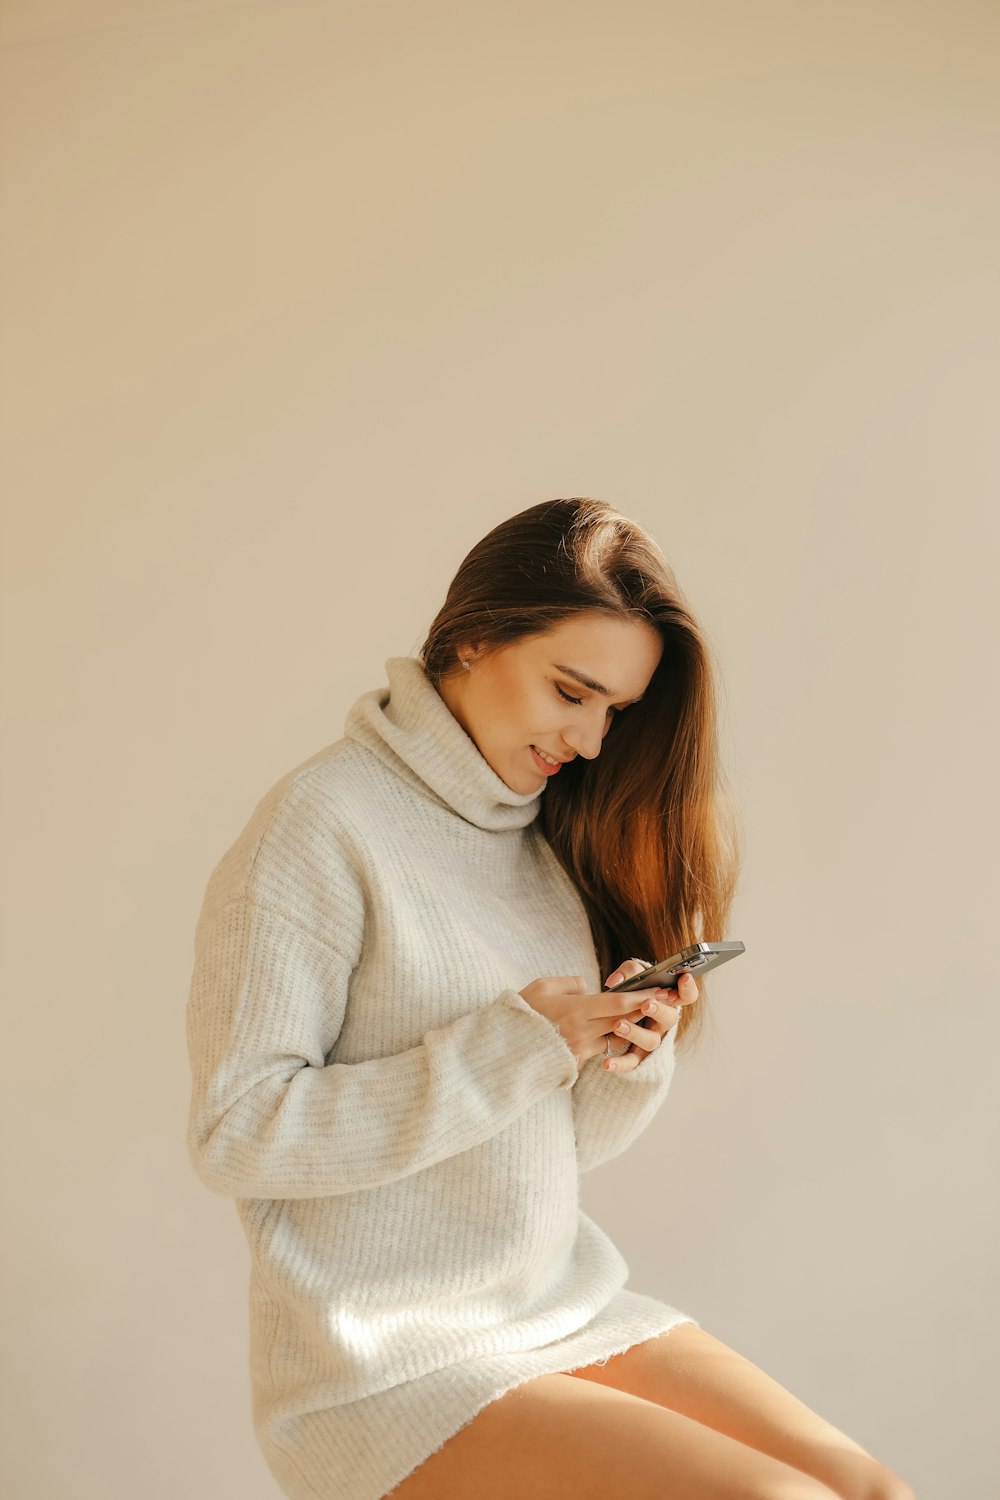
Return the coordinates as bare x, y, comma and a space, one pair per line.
403, 1056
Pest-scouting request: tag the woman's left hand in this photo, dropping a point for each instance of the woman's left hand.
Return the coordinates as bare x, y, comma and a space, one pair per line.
645, 1036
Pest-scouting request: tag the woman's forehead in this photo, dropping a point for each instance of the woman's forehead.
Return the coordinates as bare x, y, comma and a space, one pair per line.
611, 657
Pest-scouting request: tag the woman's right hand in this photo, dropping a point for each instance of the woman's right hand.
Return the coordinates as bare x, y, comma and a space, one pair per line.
585, 1021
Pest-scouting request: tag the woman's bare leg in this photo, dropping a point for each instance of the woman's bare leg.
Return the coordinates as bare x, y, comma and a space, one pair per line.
690, 1371
557, 1438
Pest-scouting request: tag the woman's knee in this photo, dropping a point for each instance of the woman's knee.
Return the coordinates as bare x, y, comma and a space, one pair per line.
888, 1486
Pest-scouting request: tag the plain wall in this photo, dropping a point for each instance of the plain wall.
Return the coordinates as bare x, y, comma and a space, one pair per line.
299, 300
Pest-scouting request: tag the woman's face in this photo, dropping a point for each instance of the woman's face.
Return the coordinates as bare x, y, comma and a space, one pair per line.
530, 697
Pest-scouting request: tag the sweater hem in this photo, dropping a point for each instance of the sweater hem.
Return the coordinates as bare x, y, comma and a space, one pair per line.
365, 1450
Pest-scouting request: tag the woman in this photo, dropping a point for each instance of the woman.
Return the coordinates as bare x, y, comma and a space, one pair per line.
403, 1057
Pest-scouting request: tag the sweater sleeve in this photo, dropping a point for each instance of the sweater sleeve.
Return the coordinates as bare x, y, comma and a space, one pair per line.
611, 1110
270, 1117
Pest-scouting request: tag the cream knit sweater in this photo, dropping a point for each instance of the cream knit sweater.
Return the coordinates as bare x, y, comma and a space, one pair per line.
402, 1133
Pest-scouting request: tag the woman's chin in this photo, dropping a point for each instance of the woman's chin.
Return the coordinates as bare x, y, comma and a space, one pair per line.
523, 779
525, 784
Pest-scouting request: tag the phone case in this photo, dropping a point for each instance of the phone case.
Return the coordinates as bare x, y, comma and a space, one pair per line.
696, 959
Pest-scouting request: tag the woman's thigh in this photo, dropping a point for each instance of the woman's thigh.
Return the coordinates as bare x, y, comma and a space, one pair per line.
691, 1372
558, 1438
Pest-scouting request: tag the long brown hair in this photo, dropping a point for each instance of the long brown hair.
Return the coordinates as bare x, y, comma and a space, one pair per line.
647, 830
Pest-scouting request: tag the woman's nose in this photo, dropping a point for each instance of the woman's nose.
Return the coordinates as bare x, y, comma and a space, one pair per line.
586, 738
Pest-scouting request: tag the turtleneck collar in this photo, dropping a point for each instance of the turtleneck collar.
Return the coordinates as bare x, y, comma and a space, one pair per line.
412, 730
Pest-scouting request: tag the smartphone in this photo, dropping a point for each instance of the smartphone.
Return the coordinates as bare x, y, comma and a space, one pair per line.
697, 959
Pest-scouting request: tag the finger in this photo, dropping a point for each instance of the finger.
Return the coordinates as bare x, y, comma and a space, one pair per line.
687, 988
659, 1015
627, 970
607, 1005
624, 1064
661, 1019
646, 1037
671, 1009
685, 992
638, 1051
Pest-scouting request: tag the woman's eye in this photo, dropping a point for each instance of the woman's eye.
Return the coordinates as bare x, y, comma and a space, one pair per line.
578, 701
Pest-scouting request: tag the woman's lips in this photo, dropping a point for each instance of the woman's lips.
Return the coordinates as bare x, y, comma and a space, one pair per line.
543, 765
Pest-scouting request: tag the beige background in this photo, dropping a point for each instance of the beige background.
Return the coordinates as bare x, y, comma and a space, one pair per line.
299, 299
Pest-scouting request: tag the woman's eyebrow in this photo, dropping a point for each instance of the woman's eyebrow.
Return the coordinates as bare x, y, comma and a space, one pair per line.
581, 677
588, 682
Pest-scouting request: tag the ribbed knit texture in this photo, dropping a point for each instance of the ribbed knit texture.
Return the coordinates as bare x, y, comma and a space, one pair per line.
402, 1133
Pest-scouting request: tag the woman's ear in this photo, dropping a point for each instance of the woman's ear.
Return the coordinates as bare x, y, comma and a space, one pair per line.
466, 652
